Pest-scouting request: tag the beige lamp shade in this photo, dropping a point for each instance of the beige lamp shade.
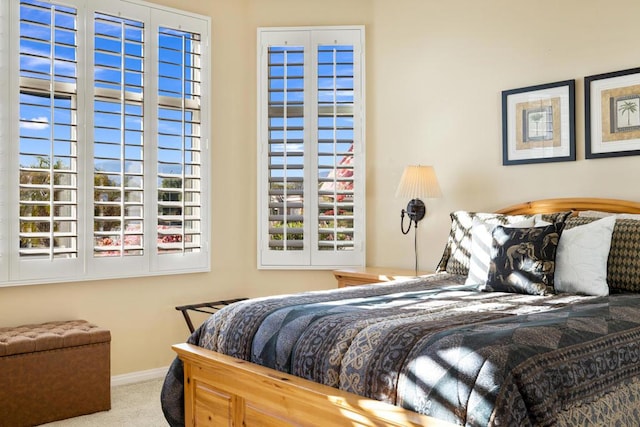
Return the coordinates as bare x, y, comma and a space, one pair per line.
419, 182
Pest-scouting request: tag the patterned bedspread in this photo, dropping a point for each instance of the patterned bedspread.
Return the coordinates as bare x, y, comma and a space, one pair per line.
437, 347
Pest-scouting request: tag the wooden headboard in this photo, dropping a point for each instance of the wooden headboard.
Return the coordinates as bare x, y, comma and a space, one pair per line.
573, 203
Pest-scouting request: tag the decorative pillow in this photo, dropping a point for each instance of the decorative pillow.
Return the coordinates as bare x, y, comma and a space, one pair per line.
523, 259
628, 216
601, 214
577, 221
457, 252
581, 259
481, 238
595, 214
623, 264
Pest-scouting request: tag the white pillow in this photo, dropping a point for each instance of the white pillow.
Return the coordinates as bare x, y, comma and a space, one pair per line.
600, 214
581, 258
595, 214
628, 216
481, 239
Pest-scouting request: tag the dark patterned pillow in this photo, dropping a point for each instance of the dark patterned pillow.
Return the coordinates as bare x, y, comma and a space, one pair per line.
457, 252
623, 264
523, 259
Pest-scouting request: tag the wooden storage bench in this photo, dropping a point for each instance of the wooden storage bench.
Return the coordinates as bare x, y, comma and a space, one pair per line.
53, 371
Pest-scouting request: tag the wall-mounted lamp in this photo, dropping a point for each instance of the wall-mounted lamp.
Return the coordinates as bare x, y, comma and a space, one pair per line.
417, 182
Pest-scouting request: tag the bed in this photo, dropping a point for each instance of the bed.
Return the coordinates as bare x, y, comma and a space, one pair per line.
468, 345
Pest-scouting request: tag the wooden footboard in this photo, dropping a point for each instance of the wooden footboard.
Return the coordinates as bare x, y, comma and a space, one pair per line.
224, 391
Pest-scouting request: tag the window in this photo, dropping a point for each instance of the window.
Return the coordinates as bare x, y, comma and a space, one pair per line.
106, 159
311, 147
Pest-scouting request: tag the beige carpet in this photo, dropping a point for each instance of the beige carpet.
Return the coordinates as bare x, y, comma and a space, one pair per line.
131, 405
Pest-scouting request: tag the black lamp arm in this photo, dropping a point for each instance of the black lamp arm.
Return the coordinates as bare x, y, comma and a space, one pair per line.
416, 210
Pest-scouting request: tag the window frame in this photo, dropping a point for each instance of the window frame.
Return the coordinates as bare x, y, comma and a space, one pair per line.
5, 135
310, 257
85, 267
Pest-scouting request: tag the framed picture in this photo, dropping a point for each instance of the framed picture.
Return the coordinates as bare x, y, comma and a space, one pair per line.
538, 124
612, 114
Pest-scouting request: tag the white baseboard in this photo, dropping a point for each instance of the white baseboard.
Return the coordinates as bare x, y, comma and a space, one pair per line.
139, 376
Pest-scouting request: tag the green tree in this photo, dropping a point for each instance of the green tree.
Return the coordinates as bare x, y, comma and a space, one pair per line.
537, 118
101, 179
628, 108
38, 175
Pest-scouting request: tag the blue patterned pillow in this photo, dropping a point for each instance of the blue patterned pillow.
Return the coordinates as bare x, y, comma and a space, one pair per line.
523, 259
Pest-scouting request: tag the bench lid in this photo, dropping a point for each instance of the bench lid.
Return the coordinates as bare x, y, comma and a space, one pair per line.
50, 336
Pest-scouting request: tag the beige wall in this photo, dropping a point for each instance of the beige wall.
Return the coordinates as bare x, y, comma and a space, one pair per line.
435, 70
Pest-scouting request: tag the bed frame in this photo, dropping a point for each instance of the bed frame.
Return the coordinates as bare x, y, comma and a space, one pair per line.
224, 391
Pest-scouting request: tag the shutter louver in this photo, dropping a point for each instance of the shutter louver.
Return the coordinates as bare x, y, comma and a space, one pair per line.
48, 134
286, 148
118, 137
179, 142
335, 148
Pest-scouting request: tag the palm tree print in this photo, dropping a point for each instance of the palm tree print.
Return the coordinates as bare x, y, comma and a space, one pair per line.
628, 108
537, 118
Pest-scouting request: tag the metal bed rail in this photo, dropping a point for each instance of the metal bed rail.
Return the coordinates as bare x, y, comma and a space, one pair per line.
204, 307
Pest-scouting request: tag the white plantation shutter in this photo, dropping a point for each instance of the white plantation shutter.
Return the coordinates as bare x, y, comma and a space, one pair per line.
311, 139
181, 137
335, 118
118, 137
5, 135
117, 196
287, 186
179, 142
107, 156
47, 142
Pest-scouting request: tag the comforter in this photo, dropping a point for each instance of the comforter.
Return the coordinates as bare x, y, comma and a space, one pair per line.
440, 348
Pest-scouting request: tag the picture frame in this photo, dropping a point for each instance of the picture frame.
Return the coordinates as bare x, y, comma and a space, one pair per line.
612, 114
538, 124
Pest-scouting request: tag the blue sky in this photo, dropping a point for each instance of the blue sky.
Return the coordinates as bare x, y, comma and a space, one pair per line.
116, 68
